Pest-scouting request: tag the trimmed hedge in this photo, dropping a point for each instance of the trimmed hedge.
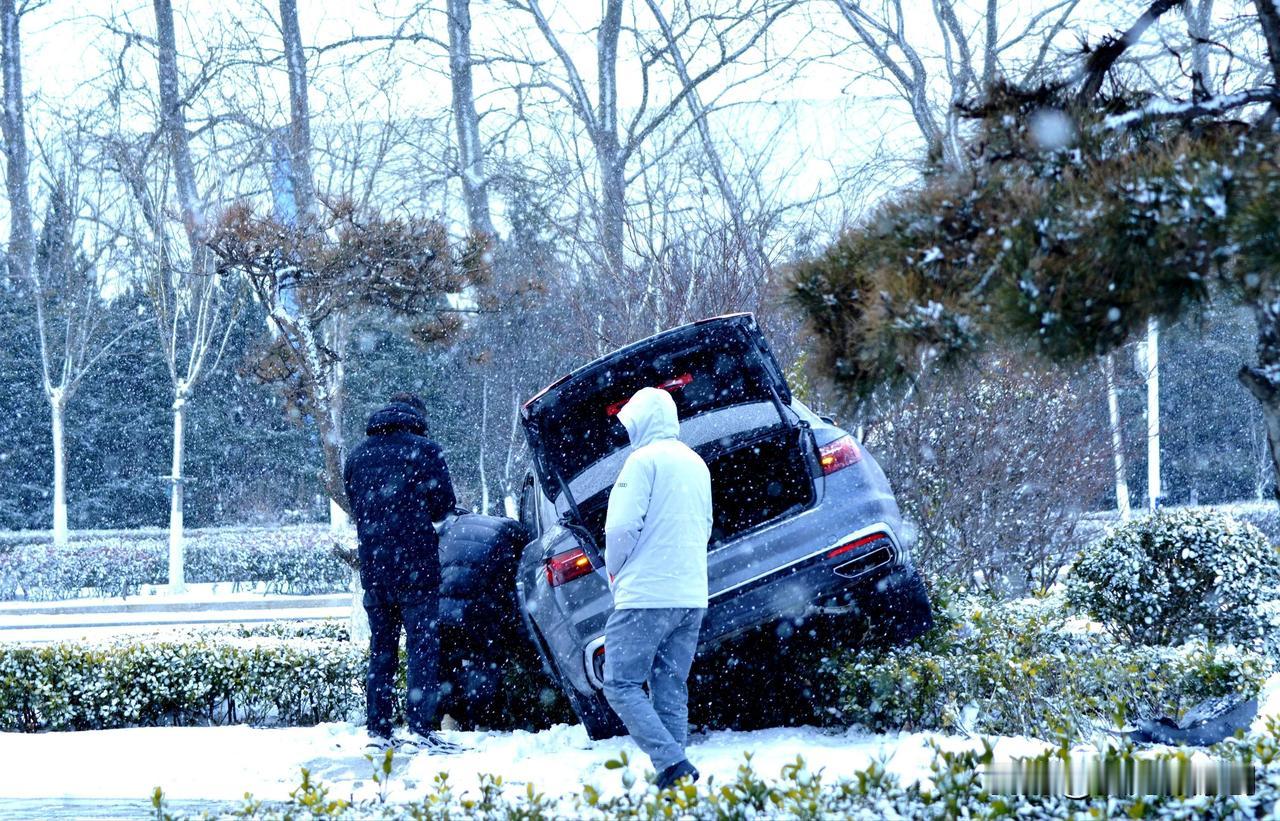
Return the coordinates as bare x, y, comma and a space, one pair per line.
278, 674
1020, 667
298, 560
206, 681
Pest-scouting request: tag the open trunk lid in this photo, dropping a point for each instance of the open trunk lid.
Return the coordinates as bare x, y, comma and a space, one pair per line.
708, 365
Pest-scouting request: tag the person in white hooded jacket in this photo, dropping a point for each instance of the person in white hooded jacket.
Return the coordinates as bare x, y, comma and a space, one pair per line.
656, 534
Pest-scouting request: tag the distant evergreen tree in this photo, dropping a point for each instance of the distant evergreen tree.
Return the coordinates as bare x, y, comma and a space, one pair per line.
26, 457
117, 428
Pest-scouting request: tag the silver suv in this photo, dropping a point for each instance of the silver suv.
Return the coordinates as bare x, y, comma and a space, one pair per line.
805, 523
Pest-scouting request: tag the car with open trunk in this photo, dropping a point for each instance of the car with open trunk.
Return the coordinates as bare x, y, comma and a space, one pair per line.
805, 524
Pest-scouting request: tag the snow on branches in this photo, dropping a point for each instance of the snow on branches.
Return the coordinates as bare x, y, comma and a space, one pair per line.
317, 276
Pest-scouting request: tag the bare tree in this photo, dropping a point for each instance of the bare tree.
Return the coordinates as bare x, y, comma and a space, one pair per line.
970, 61
193, 307
475, 186
68, 301
615, 139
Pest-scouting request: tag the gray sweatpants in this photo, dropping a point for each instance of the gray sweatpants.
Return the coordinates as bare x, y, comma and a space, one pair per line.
653, 645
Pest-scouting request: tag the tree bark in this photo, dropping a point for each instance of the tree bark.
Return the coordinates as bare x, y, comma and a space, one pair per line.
1117, 438
475, 187
21, 248
1154, 489
177, 562
57, 410
1269, 20
173, 124
613, 186
300, 110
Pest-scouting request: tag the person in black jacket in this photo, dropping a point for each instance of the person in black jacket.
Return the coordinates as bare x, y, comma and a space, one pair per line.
398, 484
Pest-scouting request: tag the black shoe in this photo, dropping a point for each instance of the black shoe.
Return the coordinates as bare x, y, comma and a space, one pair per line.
676, 772
377, 744
429, 743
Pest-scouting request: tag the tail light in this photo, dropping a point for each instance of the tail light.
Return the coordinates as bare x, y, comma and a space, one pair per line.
567, 566
839, 454
849, 547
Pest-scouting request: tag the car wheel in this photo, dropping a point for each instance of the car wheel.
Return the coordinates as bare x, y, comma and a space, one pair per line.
902, 612
592, 710
595, 713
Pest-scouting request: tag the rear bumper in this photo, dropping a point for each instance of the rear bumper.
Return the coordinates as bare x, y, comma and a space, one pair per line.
813, 586
783, 571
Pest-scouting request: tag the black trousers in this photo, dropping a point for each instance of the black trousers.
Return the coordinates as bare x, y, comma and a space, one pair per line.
418, 612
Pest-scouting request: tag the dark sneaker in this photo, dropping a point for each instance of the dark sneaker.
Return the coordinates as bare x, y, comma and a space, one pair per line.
676, 772
429, 743
377, 744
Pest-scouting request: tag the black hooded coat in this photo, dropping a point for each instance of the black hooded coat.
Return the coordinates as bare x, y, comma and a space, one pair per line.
398, 485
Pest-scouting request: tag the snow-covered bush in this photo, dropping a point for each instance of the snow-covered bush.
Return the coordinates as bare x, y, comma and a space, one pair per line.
256, 681
287, 559
1176, 575
1017, 667
286, 675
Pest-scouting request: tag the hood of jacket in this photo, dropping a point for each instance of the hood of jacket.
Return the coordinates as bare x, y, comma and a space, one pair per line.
395, 418
650, 415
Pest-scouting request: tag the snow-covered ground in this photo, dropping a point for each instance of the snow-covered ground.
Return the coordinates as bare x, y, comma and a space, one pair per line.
220, 764
103, 772
158, 613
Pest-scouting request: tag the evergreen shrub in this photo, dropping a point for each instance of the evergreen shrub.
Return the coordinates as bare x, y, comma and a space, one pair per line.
1022, 667
269, 675
1178, 575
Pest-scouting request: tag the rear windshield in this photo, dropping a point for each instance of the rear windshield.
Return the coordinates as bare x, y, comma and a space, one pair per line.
579, 425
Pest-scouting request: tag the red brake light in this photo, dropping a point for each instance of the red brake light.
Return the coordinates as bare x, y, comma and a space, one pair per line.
855, 544
839, 454
567, 566
670, 386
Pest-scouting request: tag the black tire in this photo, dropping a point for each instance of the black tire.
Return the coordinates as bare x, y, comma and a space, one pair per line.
902, 612
594, 712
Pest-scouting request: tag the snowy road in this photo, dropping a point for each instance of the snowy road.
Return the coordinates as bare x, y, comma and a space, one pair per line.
114, 771
44, 622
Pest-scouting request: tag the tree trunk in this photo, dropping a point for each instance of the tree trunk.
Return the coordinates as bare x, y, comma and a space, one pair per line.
1199, 20
1154, 491
475, 188
173, 123
1263, 379
177, 563
613, 197
1269, 21
1117, 438
57, 409
21, 233
484, 437
609, 157
300, 120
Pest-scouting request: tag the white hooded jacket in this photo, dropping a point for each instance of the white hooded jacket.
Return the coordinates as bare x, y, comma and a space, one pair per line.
659, 519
